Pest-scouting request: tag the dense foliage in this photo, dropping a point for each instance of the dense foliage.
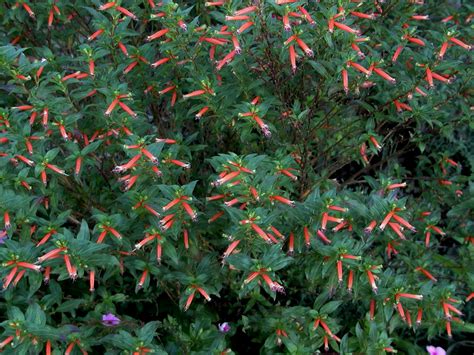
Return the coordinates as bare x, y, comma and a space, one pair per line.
224, 177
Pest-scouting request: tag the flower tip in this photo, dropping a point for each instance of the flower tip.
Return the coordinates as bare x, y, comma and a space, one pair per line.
224, 327
110, 320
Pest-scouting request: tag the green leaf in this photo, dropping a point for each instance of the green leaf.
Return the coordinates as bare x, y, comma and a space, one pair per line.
34, 314
147, 332
84, 233
90, 148
319, 68
51, 154
170, 252
330, 307
69, 306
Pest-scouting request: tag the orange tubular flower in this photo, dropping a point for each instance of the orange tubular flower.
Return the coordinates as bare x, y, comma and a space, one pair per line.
123, 48
386, 220
307, 236
45, 117
443, 49
283, 2
371, 278
70, 268
157, 34
408, 295
160, 62
403, 222
323, 237
245, 10
189, 211
144, 241
7, 341
429, 77
384, 75
33, 116
151, 210
308, 51
78, 165
95, 35
9, 278
448, 329
396, 186
400, 106
230, 248
126, 12
420, 91
286, 23
18, 277
337, 208
345, 81
107, 6
419, 316
189, 300
415, 40
291, 244
292, 54
306, 15
470, 297
260, 232
350, 281
55, 169
111, 107
227, 59
362, 15
143, 279
282, 200
28, 9
375, 143
204, 294
244, 27
339, 270
201, 112
372, 309
346, 28
51, 255
226, 178
48, 349
460, 43
46, 237
359, 68
251, 277
194, 94
355, 47
426, 273
28, 266
326, 329
91, 281
397, 53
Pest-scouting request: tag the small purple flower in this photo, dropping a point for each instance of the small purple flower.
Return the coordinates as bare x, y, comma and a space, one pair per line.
224, 327
110, 320
435, 350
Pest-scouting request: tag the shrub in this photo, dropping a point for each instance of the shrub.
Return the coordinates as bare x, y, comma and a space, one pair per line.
235, 176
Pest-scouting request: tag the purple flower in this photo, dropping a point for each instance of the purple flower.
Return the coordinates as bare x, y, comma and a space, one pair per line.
110, 320
435, 350
224, 327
